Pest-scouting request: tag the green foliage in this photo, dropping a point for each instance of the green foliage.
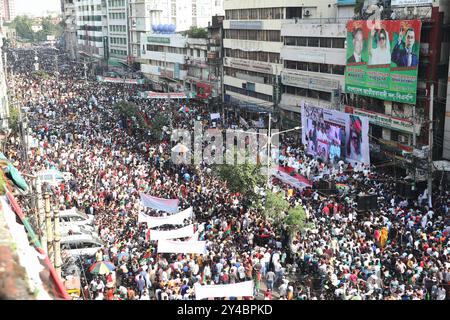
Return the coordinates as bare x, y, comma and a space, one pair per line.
197, 33
2, 184
40, 74
14, 118
296, 219
157, 123
275, 205
23, 24
242, 178
128, 110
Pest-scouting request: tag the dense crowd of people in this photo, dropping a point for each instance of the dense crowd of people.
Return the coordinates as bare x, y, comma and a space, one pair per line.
399, 251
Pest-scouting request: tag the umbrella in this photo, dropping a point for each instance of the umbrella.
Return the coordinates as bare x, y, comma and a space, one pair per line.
102, 267
180, 148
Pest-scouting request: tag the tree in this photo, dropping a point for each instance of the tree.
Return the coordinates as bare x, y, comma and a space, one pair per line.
23, 24
128, 110
242, 178
275, 205
197, 33
14, 118
157, 123
296, 219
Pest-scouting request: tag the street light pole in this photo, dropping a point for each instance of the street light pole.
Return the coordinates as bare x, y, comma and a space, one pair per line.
269, 146
430, 148
269, 140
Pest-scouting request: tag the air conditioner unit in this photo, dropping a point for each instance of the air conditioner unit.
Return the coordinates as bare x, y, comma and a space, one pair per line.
307, 13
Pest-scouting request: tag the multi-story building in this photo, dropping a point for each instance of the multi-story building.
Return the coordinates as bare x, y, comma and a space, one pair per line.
118, 31
198, 71
90, 22
252, 46
215, 55
8, 10
313, 56
163, 59
70, 27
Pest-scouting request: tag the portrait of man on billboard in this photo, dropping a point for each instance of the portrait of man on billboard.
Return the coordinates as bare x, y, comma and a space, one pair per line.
358, 45
354, 150
403, 54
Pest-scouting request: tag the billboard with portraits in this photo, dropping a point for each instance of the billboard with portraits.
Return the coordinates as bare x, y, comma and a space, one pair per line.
333, 135
383, 58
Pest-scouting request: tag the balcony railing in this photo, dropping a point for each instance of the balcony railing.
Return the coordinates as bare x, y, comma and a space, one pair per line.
318, 20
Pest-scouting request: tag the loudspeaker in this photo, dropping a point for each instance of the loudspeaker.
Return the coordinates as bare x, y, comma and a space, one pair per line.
404, 189
366, 203
327, 187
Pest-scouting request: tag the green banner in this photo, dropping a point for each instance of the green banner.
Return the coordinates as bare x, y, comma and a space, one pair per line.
382, 59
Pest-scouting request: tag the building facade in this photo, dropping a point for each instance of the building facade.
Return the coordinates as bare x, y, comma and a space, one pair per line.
91, 20
8, 10
117, 31
70, 27
163, 60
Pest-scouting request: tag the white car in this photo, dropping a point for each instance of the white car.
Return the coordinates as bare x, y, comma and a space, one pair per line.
81, 245
68, 229
73, 217
54, 177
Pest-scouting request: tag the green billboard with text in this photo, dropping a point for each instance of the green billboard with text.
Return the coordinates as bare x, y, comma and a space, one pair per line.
383, 59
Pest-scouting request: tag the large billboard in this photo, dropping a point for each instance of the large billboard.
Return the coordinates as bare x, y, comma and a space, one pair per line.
334, 135
383, 58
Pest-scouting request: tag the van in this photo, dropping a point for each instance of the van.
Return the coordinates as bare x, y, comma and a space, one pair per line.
73, 217
54, 177
81, 245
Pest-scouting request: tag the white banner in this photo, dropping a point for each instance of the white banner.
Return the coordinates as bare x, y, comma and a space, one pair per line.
242, 289
185, 232
402, 3
215, 116
175, 219
169, 246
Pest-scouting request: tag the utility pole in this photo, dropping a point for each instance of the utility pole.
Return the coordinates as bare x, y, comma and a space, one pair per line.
85, 72
40, 212
57, 243
43, 225
430, 148
269, 142
48, 226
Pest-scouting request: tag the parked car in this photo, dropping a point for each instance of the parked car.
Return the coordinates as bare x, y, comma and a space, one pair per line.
54, 177
73, 217
81, 245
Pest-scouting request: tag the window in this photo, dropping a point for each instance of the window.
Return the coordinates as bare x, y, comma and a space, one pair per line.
325, 68
314, 67
339, 43
289, 41
325, 42
338, 69
313, 42
302, 41
293, 12
274, 57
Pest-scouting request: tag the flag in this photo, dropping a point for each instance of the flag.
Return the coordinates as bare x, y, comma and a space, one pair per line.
227, 230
